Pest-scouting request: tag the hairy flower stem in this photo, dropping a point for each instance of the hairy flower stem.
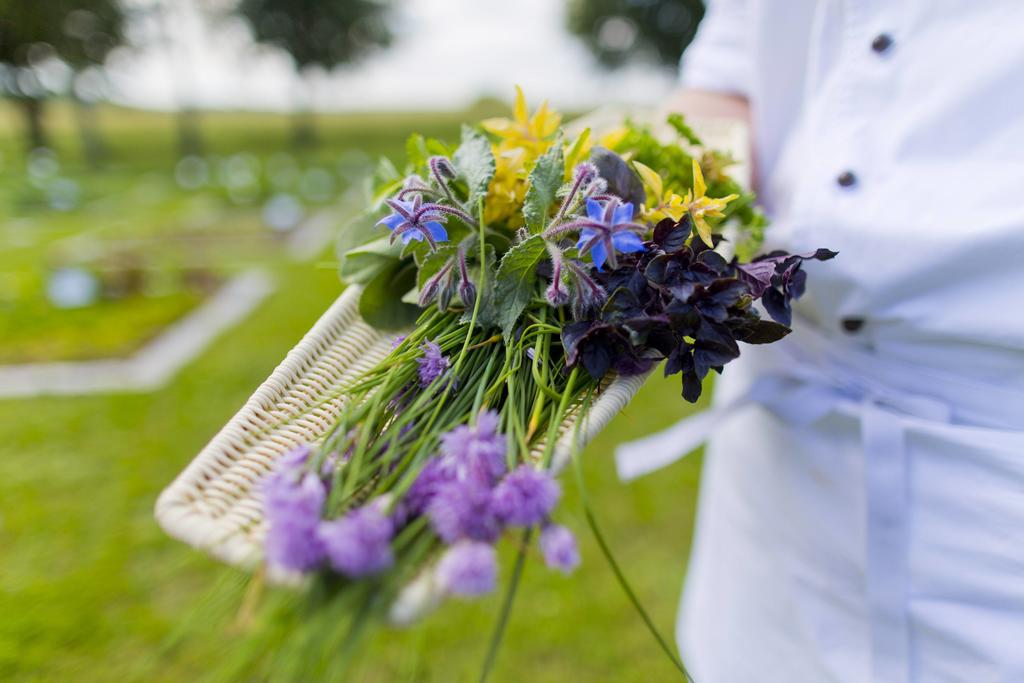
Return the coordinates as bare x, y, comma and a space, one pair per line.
441, 170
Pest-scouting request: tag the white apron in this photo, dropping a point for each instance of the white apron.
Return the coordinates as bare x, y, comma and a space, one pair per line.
862, 509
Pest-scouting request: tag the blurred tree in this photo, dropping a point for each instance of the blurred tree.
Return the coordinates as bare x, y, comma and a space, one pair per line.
168, 18
616, 31
91, 31
81, 33
316, 34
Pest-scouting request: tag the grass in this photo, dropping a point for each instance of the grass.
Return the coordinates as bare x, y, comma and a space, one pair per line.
92, 590
132, 219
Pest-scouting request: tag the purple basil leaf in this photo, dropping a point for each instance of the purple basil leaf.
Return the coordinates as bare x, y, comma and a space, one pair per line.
777, 306
572, 334
670, 235
761, 332
621, 179
629, 363
691, 386
596, 359
758, 276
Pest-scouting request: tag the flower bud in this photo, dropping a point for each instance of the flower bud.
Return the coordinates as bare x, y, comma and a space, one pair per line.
467, 292
434, 284
556, 294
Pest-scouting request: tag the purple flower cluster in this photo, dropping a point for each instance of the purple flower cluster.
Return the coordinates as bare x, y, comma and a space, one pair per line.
293, 499
525, 497
468, 568
465, 492
432, 365
463, 508
475, 452
359, 544
558, 546
298, 539
470, 498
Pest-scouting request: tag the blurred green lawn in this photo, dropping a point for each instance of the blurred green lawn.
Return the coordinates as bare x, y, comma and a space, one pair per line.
91, 589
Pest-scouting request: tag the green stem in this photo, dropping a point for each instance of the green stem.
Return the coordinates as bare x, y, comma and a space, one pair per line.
506, 607
617, 570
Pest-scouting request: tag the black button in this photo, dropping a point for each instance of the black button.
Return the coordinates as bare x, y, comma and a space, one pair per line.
881, 43
852, 325
846, 179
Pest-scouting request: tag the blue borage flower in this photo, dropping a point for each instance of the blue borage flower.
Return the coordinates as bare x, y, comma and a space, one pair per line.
419, 221
607, 228
415, 221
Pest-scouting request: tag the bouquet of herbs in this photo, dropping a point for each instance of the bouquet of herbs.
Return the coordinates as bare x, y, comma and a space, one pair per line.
526, 268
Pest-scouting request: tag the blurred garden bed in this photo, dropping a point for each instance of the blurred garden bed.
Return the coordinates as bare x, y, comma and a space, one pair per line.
95, 262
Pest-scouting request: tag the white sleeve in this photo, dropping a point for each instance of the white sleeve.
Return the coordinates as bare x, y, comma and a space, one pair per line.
719, 58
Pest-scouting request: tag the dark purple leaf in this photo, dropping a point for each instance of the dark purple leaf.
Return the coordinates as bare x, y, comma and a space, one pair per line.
621, 179
670, 235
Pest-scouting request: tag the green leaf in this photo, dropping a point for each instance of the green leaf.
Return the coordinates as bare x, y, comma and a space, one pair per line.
575, 153
416, 151
545, 179
385, 182
362, 264
677, 121
419, 149
516, 281
474, 162
381, 303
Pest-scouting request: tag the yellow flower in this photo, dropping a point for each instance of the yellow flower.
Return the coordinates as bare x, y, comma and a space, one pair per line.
507, 190
660, 203
701, 206
614, 137
521, 140
533, 133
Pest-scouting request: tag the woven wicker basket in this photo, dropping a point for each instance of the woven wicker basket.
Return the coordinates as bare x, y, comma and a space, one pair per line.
214, 504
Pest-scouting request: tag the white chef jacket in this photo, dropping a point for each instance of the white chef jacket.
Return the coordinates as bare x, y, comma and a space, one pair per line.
861, 515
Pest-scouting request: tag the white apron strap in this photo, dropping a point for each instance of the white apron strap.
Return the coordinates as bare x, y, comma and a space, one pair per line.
794, 401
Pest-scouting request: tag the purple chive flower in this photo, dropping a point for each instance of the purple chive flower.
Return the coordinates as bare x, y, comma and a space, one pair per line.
463, 509
476, 452
359, 544
293, 502
291, 462
468, 568
397, 341
525, 496
433, 364
558, 546
422, 491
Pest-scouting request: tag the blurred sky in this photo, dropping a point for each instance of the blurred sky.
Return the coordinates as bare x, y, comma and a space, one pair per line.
446, 53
